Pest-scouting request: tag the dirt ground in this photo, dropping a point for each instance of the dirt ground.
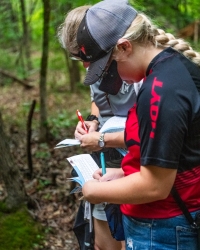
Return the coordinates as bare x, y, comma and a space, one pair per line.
48, 186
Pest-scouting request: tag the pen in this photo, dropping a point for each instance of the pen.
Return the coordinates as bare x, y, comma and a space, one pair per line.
81, 119
103, 164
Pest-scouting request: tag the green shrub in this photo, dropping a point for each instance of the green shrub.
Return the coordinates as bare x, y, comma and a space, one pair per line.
18, 231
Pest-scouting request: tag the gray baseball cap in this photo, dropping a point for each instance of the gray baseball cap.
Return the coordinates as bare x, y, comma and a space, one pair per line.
102, 26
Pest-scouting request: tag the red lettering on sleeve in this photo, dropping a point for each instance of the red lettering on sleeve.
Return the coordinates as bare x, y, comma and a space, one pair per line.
154, 105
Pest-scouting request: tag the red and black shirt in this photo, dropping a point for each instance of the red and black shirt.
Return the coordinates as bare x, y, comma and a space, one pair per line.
168, 113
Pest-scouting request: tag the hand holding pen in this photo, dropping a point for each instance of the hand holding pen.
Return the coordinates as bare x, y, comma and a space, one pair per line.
81, 120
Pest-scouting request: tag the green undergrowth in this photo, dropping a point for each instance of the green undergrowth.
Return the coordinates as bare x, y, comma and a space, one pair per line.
18, 231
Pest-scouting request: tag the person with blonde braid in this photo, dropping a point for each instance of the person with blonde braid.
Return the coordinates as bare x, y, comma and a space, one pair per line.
165, 153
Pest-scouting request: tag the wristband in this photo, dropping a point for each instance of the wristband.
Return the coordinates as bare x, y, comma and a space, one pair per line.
92, 118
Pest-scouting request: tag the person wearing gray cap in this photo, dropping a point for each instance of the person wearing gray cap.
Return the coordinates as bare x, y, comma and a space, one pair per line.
114, 38
107, 100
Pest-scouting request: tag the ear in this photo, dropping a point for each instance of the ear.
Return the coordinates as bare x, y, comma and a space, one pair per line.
124, 45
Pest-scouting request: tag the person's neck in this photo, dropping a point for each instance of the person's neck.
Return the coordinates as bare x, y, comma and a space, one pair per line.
150, 53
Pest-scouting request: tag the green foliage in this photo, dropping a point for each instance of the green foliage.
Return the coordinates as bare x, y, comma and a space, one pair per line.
8, 29
18, 231
43, 152
42, 184
57, 60
64, 120
37, 23
168, 13
67, 104
3, 208
82, 2
8, 58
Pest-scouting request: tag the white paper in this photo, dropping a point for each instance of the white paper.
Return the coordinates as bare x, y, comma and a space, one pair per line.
84, 165
67, 143
114, 124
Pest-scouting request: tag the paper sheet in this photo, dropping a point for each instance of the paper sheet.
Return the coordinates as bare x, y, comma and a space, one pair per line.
114, 124
84, 165
67, 143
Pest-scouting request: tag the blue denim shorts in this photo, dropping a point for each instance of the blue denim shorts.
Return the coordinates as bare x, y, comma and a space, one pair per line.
159, 234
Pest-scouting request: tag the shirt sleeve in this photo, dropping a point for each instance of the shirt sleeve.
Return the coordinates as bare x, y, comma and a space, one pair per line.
164, 111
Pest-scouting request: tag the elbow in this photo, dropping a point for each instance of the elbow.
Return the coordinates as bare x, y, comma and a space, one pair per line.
89, 193
162, 197
88, 196
161, 194
86, 191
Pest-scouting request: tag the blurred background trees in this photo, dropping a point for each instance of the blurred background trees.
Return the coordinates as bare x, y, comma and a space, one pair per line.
22, 28
22, 23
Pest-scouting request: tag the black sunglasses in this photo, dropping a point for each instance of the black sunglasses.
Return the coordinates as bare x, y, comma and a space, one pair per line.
80, 56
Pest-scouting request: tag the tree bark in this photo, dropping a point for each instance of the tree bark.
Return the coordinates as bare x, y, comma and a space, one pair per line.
74, 73
196, 31
43, 72
25, 40
29, 133
16, 195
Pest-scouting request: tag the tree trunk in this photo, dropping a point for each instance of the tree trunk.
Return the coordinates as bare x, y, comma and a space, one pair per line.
16, 195
25, 40
43, 72
74, 72
29, 133
196, 31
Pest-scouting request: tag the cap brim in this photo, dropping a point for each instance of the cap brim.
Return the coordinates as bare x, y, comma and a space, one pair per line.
96, 69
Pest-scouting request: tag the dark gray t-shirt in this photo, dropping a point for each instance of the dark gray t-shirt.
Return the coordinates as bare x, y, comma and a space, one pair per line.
109, 105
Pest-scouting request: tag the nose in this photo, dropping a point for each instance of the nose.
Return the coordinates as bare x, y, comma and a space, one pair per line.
86, 65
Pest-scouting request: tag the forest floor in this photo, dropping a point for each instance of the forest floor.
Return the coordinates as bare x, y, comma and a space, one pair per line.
48, 187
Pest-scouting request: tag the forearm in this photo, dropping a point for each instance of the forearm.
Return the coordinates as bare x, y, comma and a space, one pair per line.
128, 189
114, 140
138, 188
94, 109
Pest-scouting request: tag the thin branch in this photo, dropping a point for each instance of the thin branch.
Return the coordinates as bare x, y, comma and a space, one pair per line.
15, 78
29, 132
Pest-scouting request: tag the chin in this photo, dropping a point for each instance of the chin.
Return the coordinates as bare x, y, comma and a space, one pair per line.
129, 81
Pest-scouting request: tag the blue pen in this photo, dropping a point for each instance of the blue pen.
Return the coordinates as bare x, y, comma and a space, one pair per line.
103, 164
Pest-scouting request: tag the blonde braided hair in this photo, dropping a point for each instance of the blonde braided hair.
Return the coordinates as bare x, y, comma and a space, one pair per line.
142, 31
